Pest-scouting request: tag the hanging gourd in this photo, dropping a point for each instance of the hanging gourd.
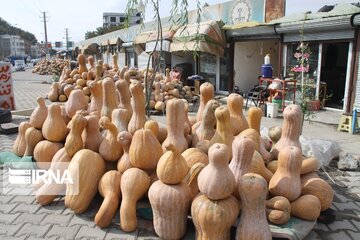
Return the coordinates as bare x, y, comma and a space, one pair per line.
175, 115
278, 210
32, 137
205, 129
195, 155
54, 118
145, 150
191, 178
134, 184
138, 117
109, 189
307, 207
213, 219
48, 191
110, 148
74, 142
82, 63
77, 101
110, 100
172, 167
206, 94
243, 150
254, 118
121, 117
19, 145
124, 95
92, 136
286, 180
96, 102
291, 129
216, 180
124, 163
224, 132
235, 103
44, 151
38, 116
253, 223
319, 188
170, 205
88, 167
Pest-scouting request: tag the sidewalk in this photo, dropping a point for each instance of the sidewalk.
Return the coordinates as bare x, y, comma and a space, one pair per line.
22, 218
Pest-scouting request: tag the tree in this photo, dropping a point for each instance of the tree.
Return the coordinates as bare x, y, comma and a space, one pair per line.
102, 30
176, 19
6, 28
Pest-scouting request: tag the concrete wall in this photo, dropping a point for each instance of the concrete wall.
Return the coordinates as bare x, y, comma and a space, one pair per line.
248, 58
121, 59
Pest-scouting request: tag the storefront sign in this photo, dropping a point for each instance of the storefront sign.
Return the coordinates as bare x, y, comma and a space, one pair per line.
7, 100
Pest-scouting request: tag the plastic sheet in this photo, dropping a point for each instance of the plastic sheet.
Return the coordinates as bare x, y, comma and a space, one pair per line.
323, 150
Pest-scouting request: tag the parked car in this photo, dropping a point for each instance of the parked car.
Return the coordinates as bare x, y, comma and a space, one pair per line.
19, 65
35, 61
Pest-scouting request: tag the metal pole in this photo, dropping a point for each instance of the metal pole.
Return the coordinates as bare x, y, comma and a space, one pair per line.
67, 41
45, 30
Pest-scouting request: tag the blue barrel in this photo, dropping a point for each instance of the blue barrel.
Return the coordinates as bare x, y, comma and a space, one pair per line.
266, 71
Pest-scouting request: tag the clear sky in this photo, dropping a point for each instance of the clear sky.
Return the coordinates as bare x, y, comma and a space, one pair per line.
80, 16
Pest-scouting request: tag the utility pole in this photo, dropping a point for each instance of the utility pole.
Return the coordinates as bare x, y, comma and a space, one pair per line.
67, 40
45, 30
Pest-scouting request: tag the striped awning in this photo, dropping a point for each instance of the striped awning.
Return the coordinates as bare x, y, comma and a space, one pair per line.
205, 37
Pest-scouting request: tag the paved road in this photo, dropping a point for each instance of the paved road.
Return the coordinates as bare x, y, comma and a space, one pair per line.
22, 218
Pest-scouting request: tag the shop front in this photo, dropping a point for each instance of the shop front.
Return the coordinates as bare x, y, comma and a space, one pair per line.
329, 40
204, 47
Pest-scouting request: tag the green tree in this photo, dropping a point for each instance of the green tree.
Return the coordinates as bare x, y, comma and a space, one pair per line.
102, 30
177, 6
6, 28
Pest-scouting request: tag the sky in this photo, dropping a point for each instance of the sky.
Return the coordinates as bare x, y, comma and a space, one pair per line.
80, 16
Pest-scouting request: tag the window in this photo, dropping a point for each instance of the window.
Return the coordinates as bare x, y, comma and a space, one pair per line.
310, 67
112, 19
122, 19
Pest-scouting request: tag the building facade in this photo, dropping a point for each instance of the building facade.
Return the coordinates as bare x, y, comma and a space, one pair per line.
119, 19
15, 43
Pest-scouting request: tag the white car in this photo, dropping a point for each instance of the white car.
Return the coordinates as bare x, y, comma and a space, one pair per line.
19, 65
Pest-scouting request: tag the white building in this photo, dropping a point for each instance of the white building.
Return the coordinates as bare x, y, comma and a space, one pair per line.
37, 50
116, 19
17, 45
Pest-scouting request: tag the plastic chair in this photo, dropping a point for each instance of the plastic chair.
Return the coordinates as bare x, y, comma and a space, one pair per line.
256, 95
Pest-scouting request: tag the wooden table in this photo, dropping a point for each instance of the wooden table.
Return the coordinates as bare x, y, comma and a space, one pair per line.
287, 86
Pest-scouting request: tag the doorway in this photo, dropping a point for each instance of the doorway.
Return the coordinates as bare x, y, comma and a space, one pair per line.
333, 72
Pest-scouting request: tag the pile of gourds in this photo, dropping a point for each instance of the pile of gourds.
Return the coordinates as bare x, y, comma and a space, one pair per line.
50, 67
163, 87
206, 165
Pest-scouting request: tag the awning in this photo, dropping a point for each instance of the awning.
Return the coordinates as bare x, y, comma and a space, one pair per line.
83, 47
151, 45
207, 37
142, 38
139, 42
250, 30
167, 34
114, 41
241, 25
105, 42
